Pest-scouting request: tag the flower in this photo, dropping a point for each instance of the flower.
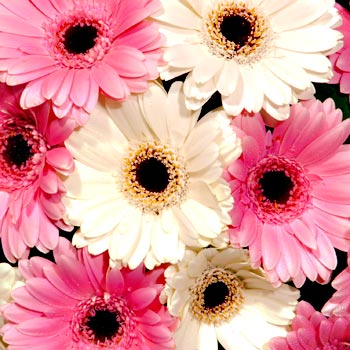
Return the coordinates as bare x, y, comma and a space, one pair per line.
339, 303
31, 156
218, 296
148, 178
79, 303
341, 59
268, 61
68, 51
10, 278
292, 193
311, 330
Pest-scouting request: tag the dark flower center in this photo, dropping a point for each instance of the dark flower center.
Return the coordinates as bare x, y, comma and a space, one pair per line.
152, 175
17, 150
236, 29
215, 294
276, 186
80, 38
104, 324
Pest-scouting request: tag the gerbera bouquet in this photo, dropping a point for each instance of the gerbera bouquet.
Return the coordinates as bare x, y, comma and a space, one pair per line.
174, 174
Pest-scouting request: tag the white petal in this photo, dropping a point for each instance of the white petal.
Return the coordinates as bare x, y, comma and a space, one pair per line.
315, 62
187, 335
86, 146
154, 106
183, 55
180, 119
207, 68
290, 17
289, 72
207, 337
126, 236
164, 244
272, 6
144, 243
129, 118
205, 220
99, 246
308, 39
178, 14
229, 77
202, 135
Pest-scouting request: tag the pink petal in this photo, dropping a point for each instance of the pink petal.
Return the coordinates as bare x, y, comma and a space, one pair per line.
60, 158
79, 93
141, 298
110, 82
325, 145
270, 246
115, 282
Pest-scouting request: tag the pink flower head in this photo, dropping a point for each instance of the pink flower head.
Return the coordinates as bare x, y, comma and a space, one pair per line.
341, 59
78, 303
292, 192
339, 303
31, 156
313, 331
69, 50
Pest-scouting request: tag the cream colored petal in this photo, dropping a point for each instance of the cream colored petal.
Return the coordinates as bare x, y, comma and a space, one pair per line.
208, 67
308, 39
183, 55
228, 78
154, 107
176, 13
126, 236
144, 243
186, 336
129, 118
180, 120
206, 221
290, 17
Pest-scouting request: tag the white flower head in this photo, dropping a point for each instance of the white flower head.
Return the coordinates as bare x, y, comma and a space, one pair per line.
220, 297
148, 178
255, 53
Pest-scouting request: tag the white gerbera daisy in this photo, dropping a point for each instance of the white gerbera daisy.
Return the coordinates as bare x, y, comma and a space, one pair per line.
255, 53
220, 297
148, 178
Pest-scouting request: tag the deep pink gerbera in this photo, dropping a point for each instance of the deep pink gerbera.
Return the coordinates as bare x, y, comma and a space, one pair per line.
31, 156
80, 303
313, 331
339, 303
341, 59
69, 50
292, 192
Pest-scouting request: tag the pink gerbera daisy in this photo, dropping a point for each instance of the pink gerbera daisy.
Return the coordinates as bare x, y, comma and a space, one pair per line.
31, 156
313, 331
341, 59
68, 51
292, 192
339, 303
79, 303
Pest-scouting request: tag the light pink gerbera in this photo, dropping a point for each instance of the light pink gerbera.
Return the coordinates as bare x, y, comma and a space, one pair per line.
31, 156
313, 331
341, 59
339, 303
69, 50
292, 192
79, 303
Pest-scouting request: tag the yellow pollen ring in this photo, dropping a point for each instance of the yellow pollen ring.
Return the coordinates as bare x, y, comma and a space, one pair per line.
223, 311
148, 201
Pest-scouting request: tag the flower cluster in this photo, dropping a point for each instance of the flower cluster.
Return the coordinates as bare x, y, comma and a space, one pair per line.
174, 174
